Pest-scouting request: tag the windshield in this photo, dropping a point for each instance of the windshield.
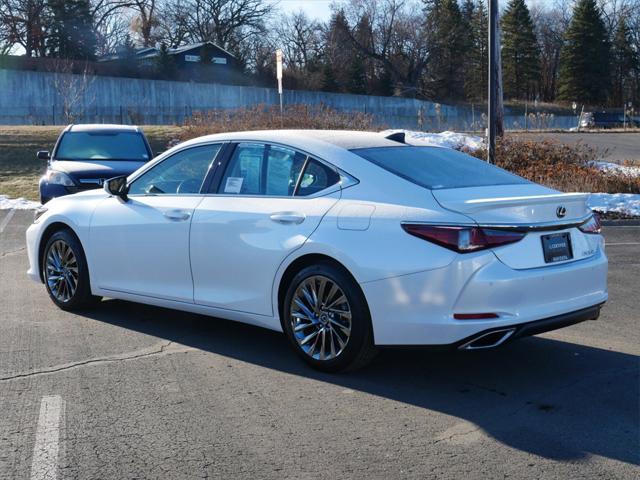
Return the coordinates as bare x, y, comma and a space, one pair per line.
436, 168
102, 146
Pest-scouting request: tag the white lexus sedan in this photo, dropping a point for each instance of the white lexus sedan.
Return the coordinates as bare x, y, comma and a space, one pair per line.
345, 241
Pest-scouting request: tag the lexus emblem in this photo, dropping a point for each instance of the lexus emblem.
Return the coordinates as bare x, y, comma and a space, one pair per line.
561, 211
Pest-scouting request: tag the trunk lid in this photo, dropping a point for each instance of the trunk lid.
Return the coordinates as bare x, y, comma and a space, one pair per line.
540, 210
514, 204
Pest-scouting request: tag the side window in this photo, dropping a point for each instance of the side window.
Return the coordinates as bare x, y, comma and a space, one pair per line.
181, 173
283, 169
257, 169
316, 177
244, 172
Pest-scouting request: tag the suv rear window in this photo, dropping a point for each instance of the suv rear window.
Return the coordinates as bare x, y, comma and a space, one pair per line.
102, 146
437, 168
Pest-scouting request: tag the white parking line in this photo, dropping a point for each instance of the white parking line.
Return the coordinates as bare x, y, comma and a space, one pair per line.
7, 219
44, 463
623, 243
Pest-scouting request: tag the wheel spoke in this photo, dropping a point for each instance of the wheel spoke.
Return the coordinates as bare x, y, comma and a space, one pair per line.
338, 301
310, 298
303, 307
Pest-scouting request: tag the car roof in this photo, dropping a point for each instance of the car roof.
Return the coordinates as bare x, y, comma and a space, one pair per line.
346, 139
102, 127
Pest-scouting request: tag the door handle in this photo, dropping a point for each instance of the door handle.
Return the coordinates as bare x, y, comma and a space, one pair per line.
288, 218
177, 215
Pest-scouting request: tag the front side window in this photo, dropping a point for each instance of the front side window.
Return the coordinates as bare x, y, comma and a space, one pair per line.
102, 146
181, 173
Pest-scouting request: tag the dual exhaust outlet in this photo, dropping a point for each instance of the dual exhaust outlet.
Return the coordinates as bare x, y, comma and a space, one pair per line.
488, 339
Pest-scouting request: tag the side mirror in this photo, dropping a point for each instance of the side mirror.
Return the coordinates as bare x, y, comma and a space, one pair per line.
44, 155
117, 187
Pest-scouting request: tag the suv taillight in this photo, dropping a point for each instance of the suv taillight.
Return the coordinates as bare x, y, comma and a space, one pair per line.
463, 239
592, 225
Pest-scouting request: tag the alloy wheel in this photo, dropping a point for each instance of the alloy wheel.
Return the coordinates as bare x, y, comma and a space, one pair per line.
320, 318
61, 271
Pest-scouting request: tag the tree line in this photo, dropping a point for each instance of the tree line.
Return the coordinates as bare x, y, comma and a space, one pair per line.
587, 51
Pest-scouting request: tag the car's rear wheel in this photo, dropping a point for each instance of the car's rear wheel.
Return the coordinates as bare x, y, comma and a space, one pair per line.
326, 319
65, 272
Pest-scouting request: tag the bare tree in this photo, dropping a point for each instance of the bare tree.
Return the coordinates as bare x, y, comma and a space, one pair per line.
226, 22
145, 20
24, 24
300, 39
396, 38
173, 23
72, 89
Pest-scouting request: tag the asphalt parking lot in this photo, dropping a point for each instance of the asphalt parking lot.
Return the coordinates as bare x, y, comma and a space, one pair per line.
610, 146
129, 391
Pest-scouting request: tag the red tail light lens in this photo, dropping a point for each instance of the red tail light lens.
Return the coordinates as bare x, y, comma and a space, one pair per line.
463, 239
592, 225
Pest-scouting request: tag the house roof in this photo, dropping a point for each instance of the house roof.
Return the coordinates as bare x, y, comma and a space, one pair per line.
153, 52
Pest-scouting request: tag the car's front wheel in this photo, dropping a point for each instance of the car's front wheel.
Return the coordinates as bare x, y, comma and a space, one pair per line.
65, 272
326, 319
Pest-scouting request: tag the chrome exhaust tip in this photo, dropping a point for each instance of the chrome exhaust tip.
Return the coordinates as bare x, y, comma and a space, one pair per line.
488, 340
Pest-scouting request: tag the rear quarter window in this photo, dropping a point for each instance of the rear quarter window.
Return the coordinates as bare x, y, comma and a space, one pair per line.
438, 168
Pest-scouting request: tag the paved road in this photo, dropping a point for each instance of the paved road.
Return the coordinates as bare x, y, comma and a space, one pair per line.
128, 391
613, 147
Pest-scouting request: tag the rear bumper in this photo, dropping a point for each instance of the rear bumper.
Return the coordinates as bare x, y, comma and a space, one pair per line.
509, 333
418, 309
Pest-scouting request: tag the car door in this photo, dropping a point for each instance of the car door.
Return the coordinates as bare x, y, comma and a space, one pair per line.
266, 203
141, 245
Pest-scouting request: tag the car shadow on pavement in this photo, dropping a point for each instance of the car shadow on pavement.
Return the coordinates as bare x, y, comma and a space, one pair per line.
550, 398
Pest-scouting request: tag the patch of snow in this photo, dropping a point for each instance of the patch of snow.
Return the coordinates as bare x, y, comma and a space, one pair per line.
627, 203
453, 140
617, 169
7, 203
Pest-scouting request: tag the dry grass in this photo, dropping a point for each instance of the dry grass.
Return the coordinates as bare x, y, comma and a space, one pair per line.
264, 117
564, 167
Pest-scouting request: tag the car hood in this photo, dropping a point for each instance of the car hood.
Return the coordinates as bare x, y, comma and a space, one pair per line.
96, 168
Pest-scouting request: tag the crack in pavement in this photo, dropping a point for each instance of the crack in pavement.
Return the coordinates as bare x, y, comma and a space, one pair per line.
12, 252
164, 348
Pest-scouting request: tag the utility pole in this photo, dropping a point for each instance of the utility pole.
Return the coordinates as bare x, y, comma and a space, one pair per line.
493, 79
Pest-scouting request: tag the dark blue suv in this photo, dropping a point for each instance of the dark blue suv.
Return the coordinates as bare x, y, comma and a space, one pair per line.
86, 155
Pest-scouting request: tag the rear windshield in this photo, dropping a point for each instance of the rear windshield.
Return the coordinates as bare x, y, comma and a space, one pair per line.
437, 168
102, 146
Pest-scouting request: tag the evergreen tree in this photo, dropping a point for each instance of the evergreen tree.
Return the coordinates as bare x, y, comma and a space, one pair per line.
127, 65
446, 39
476, 66
71, 35
520, 52
360, 69
625, 64
166, 64
338, 54
584, 59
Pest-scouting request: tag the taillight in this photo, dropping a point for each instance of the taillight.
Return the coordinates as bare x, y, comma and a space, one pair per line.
592, 225
463, 239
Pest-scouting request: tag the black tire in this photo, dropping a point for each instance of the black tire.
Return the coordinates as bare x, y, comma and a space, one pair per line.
359, 349
81, 298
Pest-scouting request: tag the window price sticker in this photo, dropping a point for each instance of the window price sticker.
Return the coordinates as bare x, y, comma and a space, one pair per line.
233, 185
